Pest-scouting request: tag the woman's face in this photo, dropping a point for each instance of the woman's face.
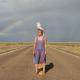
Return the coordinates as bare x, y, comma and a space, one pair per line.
39, 33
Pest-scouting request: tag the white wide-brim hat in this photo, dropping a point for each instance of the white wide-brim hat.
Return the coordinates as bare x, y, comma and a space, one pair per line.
39, 26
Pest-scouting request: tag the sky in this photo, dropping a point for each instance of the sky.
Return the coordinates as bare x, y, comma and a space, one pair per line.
60, 19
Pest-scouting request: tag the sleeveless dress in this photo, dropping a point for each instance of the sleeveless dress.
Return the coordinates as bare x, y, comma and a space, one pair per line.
40, 56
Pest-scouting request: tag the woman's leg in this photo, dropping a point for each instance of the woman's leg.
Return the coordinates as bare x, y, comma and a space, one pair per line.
43, 60
36, 61
43, 68
36, 67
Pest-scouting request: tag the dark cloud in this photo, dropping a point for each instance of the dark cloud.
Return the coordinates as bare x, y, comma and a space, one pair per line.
61, 19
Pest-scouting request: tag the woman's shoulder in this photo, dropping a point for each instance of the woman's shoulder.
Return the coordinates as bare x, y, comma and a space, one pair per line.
45, 38
35, 38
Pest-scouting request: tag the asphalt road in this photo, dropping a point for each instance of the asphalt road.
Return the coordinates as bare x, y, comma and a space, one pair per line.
18, 65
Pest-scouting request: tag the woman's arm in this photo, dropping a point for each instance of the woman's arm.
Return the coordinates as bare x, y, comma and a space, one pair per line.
34, 45
45, 40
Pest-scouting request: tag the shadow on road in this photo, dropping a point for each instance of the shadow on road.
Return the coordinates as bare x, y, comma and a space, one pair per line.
49, 66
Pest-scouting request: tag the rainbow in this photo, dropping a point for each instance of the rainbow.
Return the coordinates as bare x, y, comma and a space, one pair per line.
14, 23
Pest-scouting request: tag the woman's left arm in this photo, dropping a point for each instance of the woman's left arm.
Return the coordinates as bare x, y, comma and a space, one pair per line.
45, 41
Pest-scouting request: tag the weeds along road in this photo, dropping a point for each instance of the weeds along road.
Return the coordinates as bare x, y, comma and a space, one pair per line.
18, 65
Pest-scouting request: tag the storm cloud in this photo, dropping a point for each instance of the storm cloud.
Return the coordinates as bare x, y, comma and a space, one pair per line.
60, 18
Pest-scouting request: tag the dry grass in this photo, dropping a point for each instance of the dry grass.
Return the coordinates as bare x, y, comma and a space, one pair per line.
5, 47
73, 48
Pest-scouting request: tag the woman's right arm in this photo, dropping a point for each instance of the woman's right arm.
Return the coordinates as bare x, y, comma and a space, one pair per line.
34, 45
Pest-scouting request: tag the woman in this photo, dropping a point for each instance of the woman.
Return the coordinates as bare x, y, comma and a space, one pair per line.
40, 49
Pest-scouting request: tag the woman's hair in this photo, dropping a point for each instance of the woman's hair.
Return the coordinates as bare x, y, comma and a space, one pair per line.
42, 32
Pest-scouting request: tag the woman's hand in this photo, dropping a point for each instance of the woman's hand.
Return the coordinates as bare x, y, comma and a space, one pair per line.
45, 52
33, 53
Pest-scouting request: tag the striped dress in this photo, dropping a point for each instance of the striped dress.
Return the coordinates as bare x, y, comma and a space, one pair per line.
40, 56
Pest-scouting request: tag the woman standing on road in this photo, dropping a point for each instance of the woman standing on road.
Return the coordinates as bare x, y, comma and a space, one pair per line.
40, 50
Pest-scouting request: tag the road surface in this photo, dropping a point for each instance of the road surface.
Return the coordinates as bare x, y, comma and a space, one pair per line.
18, 65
